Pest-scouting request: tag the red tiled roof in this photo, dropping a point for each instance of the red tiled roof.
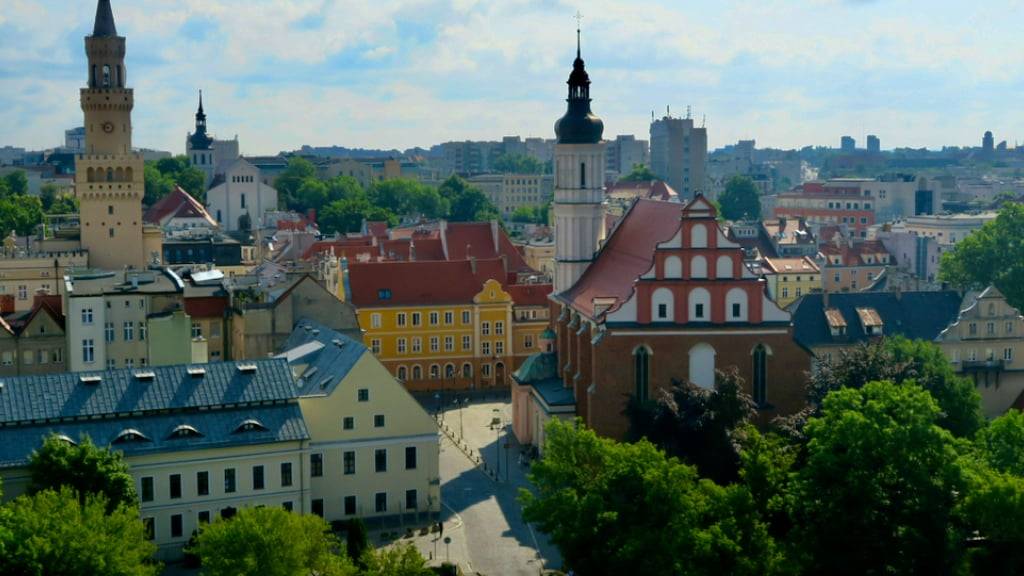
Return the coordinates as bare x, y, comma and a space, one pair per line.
343, 247
436, 282
377, 229
529, 294
206, 306
177, 204
627, 254
476, 239
855, 255
651, 190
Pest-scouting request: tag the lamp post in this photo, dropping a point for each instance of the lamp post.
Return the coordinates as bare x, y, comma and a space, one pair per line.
497, 447
461, 405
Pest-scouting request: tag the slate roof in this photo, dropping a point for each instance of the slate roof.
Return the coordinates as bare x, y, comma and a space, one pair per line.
104, 25
120, 393
915, 315
320, 357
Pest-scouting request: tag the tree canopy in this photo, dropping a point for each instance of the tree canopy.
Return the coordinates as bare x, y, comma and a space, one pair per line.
84, 468
517, 164
160, 178
993, 255
740, 200
639, 173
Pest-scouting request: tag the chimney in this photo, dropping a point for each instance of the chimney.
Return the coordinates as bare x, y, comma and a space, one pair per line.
6, 304
412, 251
504, 263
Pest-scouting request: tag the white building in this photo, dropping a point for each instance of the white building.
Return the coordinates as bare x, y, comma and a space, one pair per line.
240, 191
207, 153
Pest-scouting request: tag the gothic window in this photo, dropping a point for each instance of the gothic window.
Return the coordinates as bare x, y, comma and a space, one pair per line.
92, 78
699, 267
662, 306
736, 305
760, 357
702, 366
120, 77
699, 236
642, 373
106, 76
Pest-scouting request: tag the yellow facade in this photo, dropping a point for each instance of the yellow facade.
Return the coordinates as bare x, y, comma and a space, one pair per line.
466, 345
790, 278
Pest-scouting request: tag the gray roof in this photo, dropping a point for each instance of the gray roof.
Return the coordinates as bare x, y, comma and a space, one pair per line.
325, 356
915, 315
104, 20
279, 423
96, 282
120, 393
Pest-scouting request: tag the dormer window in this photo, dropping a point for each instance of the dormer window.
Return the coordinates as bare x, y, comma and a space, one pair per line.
836, 322
185, 431
872, 322
250, 425
130, 435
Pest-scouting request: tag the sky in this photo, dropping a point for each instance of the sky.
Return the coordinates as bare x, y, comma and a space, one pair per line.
404, 73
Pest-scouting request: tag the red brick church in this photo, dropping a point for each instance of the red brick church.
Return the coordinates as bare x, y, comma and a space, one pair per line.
666, 296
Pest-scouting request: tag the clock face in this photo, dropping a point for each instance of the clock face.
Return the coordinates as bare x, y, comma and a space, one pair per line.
108, 127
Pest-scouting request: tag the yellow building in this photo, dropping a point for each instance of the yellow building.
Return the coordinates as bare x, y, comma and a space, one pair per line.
790, 278
322, 429
446, 324
541, 257
27, 272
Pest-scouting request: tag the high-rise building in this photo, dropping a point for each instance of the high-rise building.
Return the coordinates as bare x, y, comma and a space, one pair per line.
625, 152
988, 143
109, 175
679, 153
874, 144
74, 140
847, 144
579, 181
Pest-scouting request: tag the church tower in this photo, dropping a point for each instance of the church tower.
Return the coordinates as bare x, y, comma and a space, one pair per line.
579, 181
109, 176
199, 145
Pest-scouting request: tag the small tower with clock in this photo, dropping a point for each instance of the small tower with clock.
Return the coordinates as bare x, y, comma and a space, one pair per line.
109, 175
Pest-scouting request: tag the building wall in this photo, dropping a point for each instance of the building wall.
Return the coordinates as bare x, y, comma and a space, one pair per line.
849, 278
23, 276
679, 154
579, 215
40, 348
242, 192
169, 340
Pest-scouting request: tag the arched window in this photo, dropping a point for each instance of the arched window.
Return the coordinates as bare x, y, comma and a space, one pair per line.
699, 236
467, 370
642, 373
106, 76
760, 383
723, 267
662, 306
699, 305
702, 366
119, 174
110, 174
417, 372
129, 174
736, 305
403, 372
673, 267
91, 175
449, 371
698, 267
435, 371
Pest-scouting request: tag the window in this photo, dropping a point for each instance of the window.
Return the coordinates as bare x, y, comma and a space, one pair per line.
485, 348
287, 505
87, 316
417, 319
699, 312
449, 318
641, 373
465, 317
229, 480
485, 328
499, 347
146, 489
662, 311
435, 344
417, 372
785, 291
433, 318
411, 501
467, 370
375, 345
400, 319
760, 375
972, 329
972, 355
242, 197
203, 517
316, 465
176, 528
129, 331
378, 421
111, 364
417, 345
402, 345
380, 460
317, 506
349, 462
736, 309
410, 457
88, 351
990, 328
467, 342
150, 528
1008, 354
350, 505
383, 293
129, 362
375, 320
22, 292
449, 343
203, 483
142, 331
8, 358
257, 478
528, 341
363, 394
1009, 328
197, 330
485, 370
402, 373
175, 486
380, 502
499, 328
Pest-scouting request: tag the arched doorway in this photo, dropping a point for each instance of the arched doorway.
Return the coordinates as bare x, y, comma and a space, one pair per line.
499, 374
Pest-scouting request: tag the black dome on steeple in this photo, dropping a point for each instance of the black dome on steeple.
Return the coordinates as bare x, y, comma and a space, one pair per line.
200, 139
579, 125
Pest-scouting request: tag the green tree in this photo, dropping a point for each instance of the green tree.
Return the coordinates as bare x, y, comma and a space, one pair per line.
621, 508
344, 188
51, 532
740, 200
83, 467
193, 181
528, 214
156, 184
271, 542
17, 183
21, 214
993, 255
357, 540
344, 216
468, 203
312, 194
400, 560
639, 173
63, 204
1001, 443
288, 183
992, 509
879, 490
517, 164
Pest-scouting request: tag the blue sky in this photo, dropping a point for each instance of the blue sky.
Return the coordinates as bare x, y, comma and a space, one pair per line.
403, 73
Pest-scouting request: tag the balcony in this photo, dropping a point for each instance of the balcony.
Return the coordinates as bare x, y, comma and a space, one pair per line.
983, 365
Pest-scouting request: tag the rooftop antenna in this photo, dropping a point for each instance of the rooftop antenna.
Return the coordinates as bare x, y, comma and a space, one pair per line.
704, 121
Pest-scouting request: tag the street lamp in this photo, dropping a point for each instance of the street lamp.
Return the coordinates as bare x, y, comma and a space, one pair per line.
497, 445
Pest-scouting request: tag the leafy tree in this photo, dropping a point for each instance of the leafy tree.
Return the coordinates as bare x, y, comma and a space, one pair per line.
52, 532
162, 176
84, 468
20, 213
1001, 444
401, 560
740, 199
517, 164
17, 183
357, 541
344, 188
992, 255
156, 184
404, 196
289, 182
698, 425
878, 492
468, 203
992, 508
343, 216
63, 204
639, 173
768, 466
312, 193
621, 508
271, 542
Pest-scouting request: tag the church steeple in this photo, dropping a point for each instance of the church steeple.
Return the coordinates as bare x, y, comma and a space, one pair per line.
104, 25
579, 125
200, 140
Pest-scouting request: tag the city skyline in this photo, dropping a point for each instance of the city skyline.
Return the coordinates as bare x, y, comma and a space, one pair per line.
385, 76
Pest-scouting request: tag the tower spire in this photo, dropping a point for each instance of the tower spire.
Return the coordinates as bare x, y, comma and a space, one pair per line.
579, 21
201, 101
104, 25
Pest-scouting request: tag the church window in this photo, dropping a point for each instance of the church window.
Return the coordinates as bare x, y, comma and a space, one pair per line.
120, 78
673, 267
641, 373
760, 357
698, 267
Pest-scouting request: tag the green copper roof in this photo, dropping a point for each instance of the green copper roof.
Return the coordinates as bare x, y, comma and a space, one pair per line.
537, 367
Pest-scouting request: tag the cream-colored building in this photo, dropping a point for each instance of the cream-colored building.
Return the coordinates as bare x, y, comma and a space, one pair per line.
25, 273
790, 278
322, 429
511, 191
986, 344
541, 257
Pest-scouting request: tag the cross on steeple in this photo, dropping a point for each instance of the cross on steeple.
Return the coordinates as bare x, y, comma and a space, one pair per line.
579, 24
